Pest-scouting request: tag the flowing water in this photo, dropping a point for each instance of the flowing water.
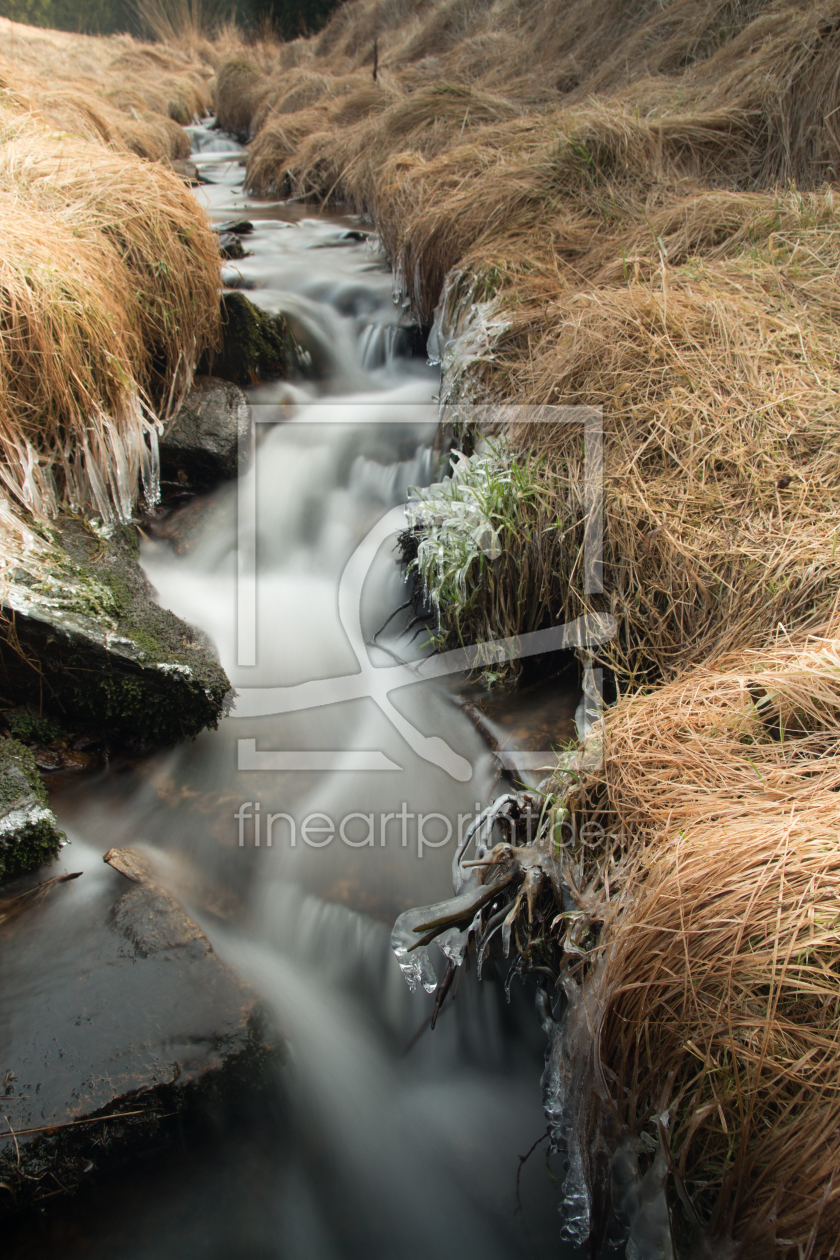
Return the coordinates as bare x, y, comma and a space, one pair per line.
387, 1140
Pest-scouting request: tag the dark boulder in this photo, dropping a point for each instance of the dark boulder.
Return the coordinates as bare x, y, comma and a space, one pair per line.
230, 246
187, 170
208, 440
87, 645
256, 346
120, 1022
239, 227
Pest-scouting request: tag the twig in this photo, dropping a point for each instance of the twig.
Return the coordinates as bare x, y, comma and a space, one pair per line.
523, 1159
401, 608
69, 1124
32, 894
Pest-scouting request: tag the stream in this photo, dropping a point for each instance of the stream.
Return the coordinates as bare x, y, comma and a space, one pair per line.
387, 1140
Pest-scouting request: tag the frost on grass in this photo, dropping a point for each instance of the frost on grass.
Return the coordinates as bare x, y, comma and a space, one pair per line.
476, 535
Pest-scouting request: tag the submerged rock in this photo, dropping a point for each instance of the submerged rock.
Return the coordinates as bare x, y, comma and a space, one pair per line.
29, 836
230, 246
208, 438
87, 645
239, 227
116, 1030
255, 346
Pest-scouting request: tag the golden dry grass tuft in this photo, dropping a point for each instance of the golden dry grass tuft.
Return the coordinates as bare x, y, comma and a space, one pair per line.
718, 971
109, 284
131, 96
239, 90
110, 294
109, 276
717, 384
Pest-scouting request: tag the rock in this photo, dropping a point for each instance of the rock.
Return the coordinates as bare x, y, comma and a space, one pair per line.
120, 1022
86, 644
208, 438
255, 346
187, 170
29, 836
183, 528
230, 246
239, 227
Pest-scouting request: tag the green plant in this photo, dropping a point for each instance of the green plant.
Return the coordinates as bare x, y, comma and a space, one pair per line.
479, 536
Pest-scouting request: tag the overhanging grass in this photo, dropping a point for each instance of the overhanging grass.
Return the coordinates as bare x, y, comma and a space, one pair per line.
716, 971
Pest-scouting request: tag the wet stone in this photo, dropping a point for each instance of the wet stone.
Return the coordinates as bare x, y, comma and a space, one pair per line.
29, 835
256, 346
117, 1028
187, 170
208, 439
105, 658
230, 246
238, 227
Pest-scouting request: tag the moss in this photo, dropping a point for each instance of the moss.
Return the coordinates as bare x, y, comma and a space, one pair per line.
16, 763
29, 837
102, 654
255, 346
34, 728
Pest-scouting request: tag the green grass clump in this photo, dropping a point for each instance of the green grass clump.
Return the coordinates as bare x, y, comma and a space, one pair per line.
480, 536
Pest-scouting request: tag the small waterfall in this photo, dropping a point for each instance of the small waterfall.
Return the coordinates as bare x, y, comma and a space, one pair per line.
400, 1143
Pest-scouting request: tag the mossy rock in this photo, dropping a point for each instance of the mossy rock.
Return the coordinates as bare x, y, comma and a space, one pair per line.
255, 346
95, 652
230, 246
29, 837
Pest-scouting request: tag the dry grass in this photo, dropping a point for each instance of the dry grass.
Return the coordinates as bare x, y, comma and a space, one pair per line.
717, 383
119, 91
109, 277
109, 294
240, 89
180, 23
718, 960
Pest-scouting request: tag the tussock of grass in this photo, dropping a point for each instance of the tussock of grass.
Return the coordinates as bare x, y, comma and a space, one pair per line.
109, 277
239, 91
118, 91
481, 536
109, 286
718, 389
718, 959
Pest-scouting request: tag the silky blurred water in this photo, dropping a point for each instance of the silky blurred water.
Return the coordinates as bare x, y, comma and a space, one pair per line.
388, 1140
